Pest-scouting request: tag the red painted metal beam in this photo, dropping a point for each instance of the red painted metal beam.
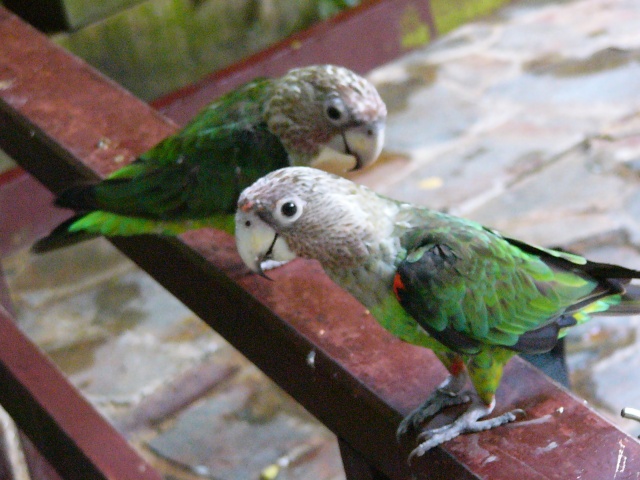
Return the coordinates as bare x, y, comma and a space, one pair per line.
66, 428
313, 339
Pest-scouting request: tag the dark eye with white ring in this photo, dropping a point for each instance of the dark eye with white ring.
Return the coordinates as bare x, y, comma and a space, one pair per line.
336, 111
288, 210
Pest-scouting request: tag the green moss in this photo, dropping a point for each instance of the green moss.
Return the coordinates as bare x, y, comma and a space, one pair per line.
82, 12
450, 14
145, 48
414, 32
158, 46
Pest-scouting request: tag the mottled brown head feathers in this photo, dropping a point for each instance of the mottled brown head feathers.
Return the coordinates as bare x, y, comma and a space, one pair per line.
337, 220
311, 105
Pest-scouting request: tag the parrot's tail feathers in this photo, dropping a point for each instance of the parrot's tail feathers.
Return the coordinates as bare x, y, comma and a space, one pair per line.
81, 198
629, 302
93, 224
61, 237
115, 225
90, 225
544, 338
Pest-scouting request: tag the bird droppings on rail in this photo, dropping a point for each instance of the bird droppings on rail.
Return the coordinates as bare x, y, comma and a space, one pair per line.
311, 359
548, 448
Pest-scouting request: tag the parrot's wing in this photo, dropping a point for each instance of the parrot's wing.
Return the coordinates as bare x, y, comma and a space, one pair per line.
470, 287
196, 173
571, 261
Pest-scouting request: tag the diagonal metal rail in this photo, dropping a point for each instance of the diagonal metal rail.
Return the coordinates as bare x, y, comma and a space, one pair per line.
61, 423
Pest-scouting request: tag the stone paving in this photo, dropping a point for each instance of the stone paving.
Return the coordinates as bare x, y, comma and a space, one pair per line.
528, 121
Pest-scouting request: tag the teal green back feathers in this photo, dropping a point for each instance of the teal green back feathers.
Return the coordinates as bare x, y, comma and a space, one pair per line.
469, 286
189, 180
201, 170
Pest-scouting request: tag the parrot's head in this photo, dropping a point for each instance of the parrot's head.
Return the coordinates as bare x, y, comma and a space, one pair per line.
304, 212
327, 117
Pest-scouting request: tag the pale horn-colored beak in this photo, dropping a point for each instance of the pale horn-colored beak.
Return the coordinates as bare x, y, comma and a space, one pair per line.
353, 149
258, 243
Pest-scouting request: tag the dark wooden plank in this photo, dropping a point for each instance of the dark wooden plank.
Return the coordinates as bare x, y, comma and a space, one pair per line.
361, 38
316, 341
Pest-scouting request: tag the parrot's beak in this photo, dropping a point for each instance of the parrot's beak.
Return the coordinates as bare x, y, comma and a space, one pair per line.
365, 143
352, 149
257, 242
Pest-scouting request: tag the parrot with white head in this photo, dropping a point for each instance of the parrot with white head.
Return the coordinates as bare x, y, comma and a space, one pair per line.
472, 295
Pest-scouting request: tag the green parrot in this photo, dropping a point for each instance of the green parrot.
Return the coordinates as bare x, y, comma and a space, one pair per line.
473, 296
323, 116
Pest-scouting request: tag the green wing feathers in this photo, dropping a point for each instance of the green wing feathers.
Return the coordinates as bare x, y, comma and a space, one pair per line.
227, 146
190, 180
469, 287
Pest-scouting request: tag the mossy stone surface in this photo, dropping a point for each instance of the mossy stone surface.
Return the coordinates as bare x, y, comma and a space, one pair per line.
157, 46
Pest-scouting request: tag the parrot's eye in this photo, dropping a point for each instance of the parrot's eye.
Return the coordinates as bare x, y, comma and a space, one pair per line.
288, 210
336, 111
333, 113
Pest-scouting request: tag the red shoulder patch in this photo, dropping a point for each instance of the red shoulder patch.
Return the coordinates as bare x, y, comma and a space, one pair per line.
456, 367
398, 285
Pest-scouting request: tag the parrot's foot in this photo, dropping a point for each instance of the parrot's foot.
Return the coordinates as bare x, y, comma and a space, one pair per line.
468, 422
448, 394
